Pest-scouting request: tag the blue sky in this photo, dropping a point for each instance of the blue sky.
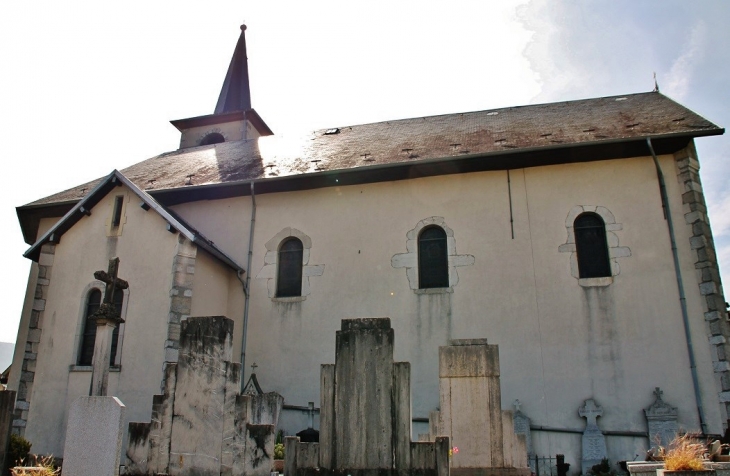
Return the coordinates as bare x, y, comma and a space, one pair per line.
90, 86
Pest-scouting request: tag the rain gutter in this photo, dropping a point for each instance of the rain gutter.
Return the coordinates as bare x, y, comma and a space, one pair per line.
680, 288
247, 284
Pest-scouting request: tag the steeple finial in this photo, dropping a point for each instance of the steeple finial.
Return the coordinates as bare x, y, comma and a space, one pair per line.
236, 93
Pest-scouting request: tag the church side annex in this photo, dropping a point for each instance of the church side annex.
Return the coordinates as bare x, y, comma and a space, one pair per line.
574, 235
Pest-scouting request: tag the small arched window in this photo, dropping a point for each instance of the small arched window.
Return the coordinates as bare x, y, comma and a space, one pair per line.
289, 273
212, 138
591, 246
93, 301
433, 260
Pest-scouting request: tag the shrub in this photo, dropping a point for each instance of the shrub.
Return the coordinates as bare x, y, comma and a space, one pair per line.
602, 469
17, 451
278, 451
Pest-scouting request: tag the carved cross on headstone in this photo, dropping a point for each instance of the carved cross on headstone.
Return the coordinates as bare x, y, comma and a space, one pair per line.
107, 318
590, 412
253, 368
658, 392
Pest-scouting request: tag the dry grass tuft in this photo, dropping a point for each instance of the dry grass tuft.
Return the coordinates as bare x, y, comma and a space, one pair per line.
685, 453
41, 466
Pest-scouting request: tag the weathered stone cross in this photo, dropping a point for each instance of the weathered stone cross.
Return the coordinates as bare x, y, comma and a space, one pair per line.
107, 318
590, 412
658, 392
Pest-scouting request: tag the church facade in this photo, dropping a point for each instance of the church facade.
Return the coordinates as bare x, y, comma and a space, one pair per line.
574, 235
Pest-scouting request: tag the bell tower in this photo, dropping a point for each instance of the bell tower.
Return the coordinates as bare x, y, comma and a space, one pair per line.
233, 119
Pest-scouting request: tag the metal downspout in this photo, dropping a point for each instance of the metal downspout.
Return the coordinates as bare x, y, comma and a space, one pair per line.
247, 285
680, 288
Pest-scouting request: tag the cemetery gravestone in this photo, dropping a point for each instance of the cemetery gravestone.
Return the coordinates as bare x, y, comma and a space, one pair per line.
662, 421
365, 413
94, 437
471, 412
593, 441
213, 429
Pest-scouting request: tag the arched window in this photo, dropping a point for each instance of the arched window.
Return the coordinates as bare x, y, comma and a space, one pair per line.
289, 273
93, 301
591, 246
433, 260
212, 138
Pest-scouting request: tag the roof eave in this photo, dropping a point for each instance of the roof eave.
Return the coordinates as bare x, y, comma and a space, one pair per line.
373, 169
213, 119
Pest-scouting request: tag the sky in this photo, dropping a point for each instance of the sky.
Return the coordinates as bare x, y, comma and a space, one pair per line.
87, 87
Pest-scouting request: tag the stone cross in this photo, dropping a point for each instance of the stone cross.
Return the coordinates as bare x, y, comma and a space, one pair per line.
107, 318
112, 281
658, 392
590, 412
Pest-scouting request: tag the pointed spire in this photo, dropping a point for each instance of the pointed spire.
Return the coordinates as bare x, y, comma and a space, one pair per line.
236, 93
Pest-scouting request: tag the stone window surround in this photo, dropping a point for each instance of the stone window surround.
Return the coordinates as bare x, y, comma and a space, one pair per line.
409, 260
614, 250
101, 286
270, 269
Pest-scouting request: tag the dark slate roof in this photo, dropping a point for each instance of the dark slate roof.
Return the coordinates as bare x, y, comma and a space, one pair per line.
85, 207
514, 137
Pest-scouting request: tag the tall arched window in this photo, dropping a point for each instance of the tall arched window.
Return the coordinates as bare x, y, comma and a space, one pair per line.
93, 301
433, 260
591, 246
86, 354
289, 273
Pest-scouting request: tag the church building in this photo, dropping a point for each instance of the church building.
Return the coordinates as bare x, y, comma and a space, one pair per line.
574, 235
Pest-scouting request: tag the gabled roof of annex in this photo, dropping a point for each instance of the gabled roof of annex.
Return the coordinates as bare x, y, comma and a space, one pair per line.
115, 179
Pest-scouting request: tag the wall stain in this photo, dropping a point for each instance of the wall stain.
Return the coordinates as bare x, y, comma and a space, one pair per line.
604, 346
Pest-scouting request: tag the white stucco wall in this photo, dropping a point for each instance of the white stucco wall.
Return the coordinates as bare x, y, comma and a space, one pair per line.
560, 343
145, 250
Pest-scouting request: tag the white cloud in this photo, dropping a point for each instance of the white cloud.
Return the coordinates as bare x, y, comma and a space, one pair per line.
720, 215
683, 67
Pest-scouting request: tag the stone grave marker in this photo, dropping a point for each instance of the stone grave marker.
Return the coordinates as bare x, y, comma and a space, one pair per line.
522, 427
94, 436
365, 413
107, 319
593, 441
662, 421
213, 429
471, 412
